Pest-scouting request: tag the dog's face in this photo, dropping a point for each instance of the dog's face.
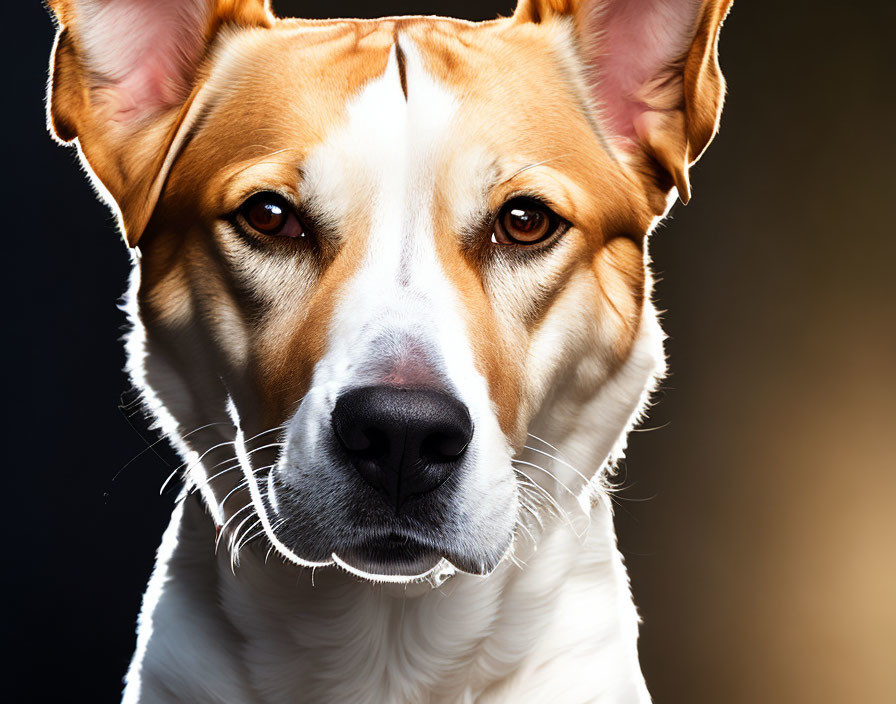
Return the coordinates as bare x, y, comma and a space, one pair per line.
388, 249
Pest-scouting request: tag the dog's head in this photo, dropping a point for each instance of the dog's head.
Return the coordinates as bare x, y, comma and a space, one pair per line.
380, 254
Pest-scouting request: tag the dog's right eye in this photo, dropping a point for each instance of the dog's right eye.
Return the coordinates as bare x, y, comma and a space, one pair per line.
272, 215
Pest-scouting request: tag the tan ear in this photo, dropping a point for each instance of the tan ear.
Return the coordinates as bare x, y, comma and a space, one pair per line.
122, 81
653, 72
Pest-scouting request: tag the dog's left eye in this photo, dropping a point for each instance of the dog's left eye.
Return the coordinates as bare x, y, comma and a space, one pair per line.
524, 221
271, 214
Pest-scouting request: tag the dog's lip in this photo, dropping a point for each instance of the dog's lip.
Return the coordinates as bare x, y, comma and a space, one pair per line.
400, 557
392, 555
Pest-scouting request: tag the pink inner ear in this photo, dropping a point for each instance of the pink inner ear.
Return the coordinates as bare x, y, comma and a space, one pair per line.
634, 41
144, 50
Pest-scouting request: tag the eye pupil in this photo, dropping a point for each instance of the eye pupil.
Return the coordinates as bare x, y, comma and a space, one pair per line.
525, 220
266, 216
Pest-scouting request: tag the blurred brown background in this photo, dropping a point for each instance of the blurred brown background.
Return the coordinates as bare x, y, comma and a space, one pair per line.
758, 517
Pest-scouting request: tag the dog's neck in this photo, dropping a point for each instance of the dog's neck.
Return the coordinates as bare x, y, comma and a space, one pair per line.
271, 630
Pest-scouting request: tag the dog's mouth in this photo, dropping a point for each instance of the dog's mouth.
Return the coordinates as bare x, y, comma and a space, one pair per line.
391, 555
348, 524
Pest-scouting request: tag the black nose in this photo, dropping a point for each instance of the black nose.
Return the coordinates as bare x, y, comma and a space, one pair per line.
403, 442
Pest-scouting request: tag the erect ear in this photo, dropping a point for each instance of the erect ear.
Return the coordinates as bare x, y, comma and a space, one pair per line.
123, 75
653, 72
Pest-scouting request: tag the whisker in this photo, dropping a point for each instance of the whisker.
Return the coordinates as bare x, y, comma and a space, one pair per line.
265, 432
232, 541
227, 522
522, 525
188, 466
651, 429
149, 445
560, 512
243, 484
532, 502
250, 538
530, 488
265, 447
542, 440
512, 556
162, 438
246, 536
215, 476
235, 459
542, 491
198, 460
557, 459
549, 473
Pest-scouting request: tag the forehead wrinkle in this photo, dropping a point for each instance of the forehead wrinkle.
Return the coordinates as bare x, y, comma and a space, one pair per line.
385, 156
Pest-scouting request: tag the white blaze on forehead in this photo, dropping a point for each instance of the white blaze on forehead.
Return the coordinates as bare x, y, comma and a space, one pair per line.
383, 161
384, 166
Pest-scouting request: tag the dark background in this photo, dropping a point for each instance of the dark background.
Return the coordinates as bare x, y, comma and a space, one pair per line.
758, 519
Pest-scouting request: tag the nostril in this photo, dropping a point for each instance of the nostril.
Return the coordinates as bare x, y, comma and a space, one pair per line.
377, 445
367, 442
355, 438
358, 428
444, 447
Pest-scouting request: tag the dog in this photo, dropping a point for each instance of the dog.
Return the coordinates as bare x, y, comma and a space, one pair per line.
391, 303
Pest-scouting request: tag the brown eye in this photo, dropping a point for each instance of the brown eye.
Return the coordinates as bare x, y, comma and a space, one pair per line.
271, 214
524, 221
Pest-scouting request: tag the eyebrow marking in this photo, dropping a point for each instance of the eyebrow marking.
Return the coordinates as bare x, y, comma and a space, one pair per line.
531, 166
265, 159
